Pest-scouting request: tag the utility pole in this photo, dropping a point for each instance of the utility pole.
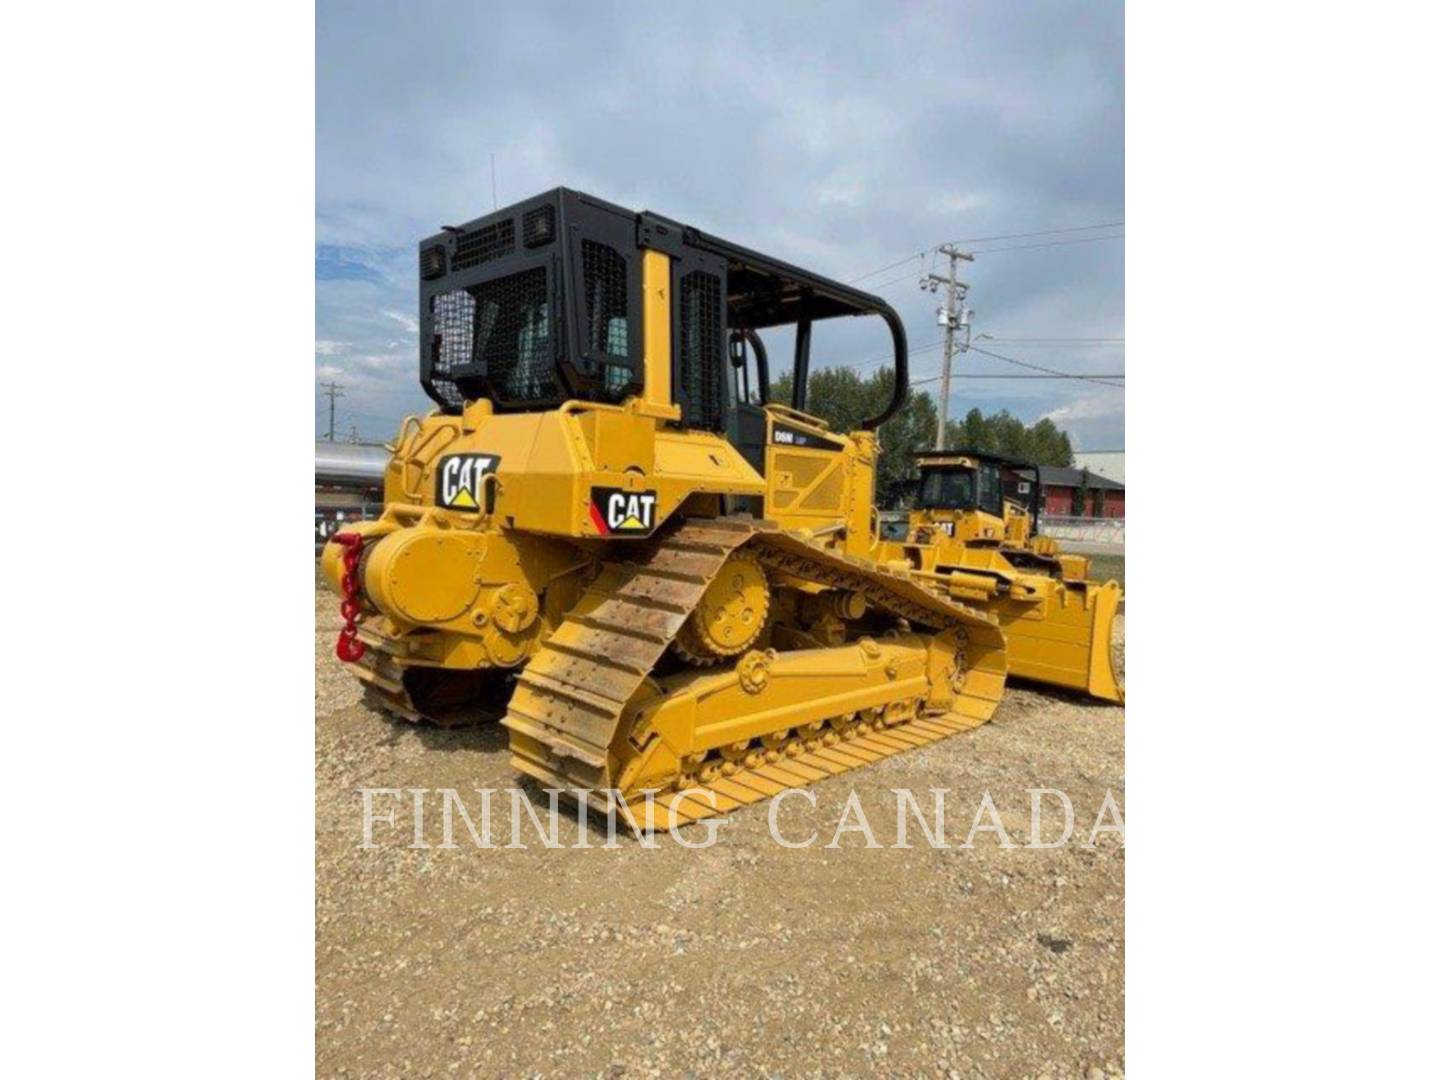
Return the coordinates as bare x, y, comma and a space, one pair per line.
951, 319
332, 390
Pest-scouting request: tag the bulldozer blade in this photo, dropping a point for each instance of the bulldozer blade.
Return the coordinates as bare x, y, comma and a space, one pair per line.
1065, 641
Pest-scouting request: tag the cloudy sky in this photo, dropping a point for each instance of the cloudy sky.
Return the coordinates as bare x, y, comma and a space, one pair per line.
841, 136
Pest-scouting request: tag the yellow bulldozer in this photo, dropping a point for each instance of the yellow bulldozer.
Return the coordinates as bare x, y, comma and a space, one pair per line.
670, 590
960, 497
966, 535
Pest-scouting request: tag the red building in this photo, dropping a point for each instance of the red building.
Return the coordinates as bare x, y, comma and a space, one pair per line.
1072, 493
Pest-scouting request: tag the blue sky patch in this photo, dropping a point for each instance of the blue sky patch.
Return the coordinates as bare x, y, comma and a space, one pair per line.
343, 264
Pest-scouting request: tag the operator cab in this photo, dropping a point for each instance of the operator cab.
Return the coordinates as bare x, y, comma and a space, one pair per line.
543, 303
960, 483
963, 493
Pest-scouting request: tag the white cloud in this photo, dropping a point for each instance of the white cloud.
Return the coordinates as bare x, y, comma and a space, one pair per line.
329, 348
386, 360
956, 202
843, 187
1088, 408
408, 321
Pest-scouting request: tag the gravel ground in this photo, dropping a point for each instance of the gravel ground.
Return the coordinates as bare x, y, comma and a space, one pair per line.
744, 958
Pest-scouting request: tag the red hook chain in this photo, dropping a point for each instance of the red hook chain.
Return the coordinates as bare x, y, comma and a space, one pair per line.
348, 647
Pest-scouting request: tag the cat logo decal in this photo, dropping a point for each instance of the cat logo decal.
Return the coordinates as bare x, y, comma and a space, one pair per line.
460, 482
614, 511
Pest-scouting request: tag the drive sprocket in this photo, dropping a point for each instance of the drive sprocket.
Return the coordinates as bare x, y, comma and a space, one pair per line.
730, 615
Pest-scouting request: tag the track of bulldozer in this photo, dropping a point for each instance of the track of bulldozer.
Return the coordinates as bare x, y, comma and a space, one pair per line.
570, 698
384, 681
571, 694
383, 677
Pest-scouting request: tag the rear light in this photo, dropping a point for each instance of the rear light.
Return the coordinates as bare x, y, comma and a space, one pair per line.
432, 263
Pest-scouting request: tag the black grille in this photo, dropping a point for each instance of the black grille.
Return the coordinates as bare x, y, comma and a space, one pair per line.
483, 244
607, 308
702, 352
432, 263
501, 329
538, 226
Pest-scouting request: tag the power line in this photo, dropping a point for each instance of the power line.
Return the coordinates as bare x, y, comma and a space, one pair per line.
899, 262
1047, 373
989, 239
876, 361
1006, 375
903, 278
1038, 367
1050, 373
1042, 232
861, 365
1048, 244
873, 361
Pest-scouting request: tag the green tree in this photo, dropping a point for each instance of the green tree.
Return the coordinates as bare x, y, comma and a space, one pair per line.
1004, 433
1010, 434
974, 432
1049, 445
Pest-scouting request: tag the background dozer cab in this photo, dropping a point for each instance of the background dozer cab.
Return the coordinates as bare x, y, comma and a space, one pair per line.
961, 496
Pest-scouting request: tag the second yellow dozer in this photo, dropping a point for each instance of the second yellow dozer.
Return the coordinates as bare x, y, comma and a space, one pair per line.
968, 538
604, 534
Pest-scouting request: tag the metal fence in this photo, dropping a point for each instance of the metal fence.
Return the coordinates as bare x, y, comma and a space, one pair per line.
894, 524
1083, 529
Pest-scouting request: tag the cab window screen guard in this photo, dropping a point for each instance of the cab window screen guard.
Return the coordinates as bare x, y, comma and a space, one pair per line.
499, 331
701, 350
606, 321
